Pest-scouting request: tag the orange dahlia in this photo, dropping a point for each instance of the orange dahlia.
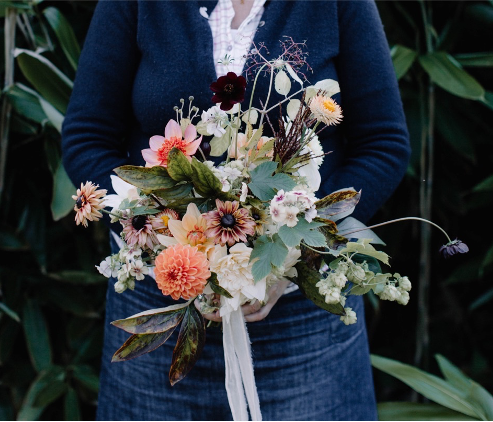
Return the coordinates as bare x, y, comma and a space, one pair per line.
88, 202
229, 223
182, 271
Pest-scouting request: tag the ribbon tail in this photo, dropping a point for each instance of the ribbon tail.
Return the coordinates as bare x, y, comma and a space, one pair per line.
233, 382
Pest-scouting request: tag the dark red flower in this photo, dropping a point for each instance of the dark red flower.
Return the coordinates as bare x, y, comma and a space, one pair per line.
229, 90
453, 248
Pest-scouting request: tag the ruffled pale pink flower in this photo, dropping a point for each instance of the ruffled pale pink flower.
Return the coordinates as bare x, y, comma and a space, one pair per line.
182, 271
88, 202
160, 146
138, 231
229, 224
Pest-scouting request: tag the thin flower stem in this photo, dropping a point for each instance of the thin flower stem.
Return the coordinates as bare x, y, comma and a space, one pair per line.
268, 97
157, 200
283, 101
316, 250
203, 156
110, 213
395, 221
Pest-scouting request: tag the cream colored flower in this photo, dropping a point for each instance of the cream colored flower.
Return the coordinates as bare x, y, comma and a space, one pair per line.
88, 201
326, 110
234, 273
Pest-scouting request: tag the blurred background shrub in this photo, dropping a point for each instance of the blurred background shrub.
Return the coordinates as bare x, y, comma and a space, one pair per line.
52, 298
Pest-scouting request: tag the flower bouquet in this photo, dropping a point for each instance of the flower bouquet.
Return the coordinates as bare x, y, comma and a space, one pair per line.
221, 235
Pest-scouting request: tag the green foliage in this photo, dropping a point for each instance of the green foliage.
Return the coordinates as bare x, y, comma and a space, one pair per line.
456, 392
292, 236
267, 252
264, 184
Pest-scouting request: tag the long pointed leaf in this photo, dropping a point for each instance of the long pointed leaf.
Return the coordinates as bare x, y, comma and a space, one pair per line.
430, 386
406, 411
140, 344
37, 337
152, 323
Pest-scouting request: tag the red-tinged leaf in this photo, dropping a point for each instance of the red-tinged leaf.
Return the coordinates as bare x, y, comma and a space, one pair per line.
150, 322
140, 344
338, 204
190, 343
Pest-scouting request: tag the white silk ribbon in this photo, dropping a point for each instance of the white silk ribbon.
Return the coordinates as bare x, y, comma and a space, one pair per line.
240, 380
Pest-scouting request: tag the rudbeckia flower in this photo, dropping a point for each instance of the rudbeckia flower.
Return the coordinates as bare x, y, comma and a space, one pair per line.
160, 146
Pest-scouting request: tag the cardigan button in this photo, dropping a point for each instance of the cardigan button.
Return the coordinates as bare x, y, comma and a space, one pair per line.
230, 47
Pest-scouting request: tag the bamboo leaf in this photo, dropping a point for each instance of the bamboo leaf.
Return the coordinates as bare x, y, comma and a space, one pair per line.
190, 343
86, 376
447, 73
46, 78
37, 337
402, 58
71, 406
155, 322
65, 34
4, 308
146, 178
26, 103
28, 410
406, 411
61, 203
430, 386
475, 59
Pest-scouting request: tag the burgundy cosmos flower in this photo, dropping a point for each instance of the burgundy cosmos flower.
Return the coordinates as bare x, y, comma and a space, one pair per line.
453, 248
229, 90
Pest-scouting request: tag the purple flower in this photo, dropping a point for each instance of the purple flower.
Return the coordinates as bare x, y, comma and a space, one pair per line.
453, 248
228, 90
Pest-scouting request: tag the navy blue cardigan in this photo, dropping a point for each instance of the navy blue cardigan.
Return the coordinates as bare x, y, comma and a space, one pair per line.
141, 57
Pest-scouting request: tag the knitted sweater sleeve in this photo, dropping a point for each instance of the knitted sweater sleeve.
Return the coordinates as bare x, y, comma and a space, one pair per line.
99, 114
377, 144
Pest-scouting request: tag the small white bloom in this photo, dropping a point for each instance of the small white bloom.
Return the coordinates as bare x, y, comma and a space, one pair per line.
390, 292
338, 279
139, 270
405, 284
279, 198
226, 186
244, 192
291, 218
277, 212
215, 118
333, 295
403, 299
120, 287
350, 317
311, 213
109, 267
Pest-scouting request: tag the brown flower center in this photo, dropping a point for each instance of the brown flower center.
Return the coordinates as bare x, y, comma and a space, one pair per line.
139, 221
228, 221
229, 88
81, 200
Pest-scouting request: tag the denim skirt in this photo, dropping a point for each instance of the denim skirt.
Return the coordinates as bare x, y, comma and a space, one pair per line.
308, 366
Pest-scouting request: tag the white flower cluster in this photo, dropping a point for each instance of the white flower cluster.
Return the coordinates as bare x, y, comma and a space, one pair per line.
127, 266
215, 120
394, 288
230, 175
285, 207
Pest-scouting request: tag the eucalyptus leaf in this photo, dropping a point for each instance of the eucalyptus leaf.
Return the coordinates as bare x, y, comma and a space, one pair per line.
191, 340
146, 178
219, 145
402, 58
447, 73
46, 78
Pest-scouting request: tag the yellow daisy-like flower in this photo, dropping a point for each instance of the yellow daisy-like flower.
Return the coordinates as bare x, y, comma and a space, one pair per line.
326, 110
88, 202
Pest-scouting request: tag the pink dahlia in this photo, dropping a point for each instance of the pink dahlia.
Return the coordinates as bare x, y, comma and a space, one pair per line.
182, 271
160, 146
229, 223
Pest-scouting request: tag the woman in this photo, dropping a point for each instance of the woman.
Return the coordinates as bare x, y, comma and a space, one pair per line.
139, 59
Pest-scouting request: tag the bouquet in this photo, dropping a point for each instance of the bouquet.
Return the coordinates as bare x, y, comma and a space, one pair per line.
221, 235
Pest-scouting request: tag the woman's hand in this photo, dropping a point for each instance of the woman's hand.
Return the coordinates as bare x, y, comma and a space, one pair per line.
254, 311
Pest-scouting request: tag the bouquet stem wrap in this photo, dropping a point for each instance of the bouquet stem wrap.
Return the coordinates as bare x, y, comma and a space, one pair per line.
240, 380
